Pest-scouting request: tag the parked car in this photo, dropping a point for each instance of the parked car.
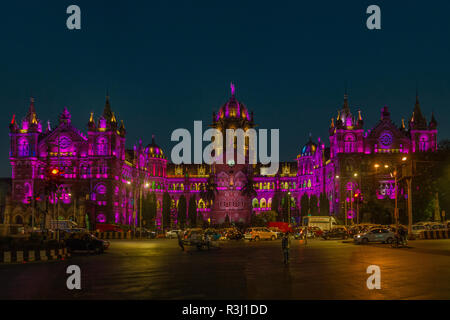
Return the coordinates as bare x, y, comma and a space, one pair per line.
213, 234
277, 231
173, 234
375, 235
314, 232
193, 236
336, 233
233, 235
437, 226
261, 233
86, 241
106, 227
417, 229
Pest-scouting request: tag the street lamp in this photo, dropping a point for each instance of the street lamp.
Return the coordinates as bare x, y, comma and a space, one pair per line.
289, 207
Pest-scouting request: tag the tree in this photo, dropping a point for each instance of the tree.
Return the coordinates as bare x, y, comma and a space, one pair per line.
149, 210
324, 205
248, 189
275, 203
192, 211
285, 203
210, 191
166, 205
263, 218
313, 202
304, 205
200, 220
182, 212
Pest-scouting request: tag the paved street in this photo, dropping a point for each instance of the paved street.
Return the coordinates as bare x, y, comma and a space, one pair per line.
157, 269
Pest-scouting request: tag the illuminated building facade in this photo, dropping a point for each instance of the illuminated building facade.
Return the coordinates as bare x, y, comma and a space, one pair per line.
103, 180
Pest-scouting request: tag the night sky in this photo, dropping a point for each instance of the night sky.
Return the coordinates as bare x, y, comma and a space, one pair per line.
168, 63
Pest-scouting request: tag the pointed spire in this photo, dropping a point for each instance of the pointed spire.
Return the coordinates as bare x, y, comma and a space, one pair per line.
91, 118
121, 124
233, 89
13, 125
345, 107
359, 115
403, 127
49, 128
433, 123
107, 112
65, 116
31, 110
339, 115
153, 139
332, 123
418, 121
113, 118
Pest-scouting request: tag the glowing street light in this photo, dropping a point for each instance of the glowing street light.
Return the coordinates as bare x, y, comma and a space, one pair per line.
355, 174
404, 158
376, 165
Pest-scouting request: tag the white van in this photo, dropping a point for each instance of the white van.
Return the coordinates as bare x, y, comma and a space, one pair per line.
324, 223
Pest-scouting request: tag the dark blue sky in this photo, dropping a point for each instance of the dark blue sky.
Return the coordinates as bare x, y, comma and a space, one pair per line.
168, 63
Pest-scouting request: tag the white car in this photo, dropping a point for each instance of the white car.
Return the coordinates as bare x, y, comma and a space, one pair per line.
375, 235
417, 228
173, 234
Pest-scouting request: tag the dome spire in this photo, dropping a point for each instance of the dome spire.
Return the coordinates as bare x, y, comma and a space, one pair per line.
233, 89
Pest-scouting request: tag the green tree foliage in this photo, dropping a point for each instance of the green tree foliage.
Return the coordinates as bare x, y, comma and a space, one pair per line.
324, 205
248, 189
166, 205
227, 222
313, 205
208, 194
182, 211
192, 212
149, 210
261, 219
275, 206
304, 205
200, 220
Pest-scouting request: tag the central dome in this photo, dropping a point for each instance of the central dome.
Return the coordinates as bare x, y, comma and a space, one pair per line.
233, 108
309, 149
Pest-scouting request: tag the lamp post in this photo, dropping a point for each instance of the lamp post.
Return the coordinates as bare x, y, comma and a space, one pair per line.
289, 207
140, 208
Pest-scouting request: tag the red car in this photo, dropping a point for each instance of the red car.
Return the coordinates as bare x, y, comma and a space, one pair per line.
104, 227
316, 231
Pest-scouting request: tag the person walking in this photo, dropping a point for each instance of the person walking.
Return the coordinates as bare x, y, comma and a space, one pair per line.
285, 245
180, 241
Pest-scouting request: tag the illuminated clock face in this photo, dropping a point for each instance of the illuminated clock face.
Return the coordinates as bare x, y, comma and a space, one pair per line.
231, 163
386, 139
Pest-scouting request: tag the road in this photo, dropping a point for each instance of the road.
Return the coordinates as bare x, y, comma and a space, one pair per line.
157, 269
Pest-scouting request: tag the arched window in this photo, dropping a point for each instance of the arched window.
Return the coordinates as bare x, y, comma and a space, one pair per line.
349, 143
262, 203
255, 203
423, 143
24, 148
102, 146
